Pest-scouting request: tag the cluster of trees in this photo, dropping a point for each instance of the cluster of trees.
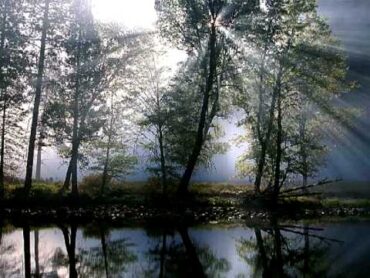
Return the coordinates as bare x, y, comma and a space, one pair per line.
293, 73
95, 88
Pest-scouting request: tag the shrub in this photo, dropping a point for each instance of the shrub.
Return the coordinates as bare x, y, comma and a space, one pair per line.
91, 185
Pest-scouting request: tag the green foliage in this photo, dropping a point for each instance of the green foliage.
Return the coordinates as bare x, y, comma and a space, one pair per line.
292, 65
91, 185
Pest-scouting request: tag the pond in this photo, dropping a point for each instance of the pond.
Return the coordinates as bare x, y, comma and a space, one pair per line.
238, 250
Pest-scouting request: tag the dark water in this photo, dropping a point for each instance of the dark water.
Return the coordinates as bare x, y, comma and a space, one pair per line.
293, 250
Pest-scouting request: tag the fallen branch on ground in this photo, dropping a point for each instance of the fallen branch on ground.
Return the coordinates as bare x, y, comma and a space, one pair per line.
323, 182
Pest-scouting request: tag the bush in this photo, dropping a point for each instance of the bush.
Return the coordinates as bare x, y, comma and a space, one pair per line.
91, 185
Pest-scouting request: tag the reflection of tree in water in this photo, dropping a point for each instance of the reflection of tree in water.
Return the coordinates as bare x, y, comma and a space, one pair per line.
183, 259
108, 260
282, 251
69, 235
8, 268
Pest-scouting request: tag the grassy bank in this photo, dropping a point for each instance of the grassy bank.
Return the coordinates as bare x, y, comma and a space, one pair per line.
49, 194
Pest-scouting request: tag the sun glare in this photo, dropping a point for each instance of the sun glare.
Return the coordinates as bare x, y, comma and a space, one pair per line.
131, 13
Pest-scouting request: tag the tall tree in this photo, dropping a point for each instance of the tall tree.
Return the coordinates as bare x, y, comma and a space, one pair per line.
81, 89
13, 67
38, 91
110, 152
153, 111
197, 26
296, 63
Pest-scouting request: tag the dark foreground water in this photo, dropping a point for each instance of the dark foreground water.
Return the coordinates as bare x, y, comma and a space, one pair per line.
96, 250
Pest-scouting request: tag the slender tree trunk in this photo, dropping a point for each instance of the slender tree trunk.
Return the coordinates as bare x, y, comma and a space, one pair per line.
262, 158
75, 131
184, 182
106, 166
107, 154
163, 162
2, 44
37, 263
3, 31
279, 136
27, 251
74, 173
38, 161
302, 135
67, 179
305, 181
35, 116
2, 151
260, 136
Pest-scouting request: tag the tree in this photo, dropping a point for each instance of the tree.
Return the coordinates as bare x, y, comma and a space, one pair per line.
153, 113
38, 91
197, 27
97, 59
13, 66
297, 66
110, 151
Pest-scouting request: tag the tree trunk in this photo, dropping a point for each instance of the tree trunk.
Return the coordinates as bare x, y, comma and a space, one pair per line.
303, 150
38, 161
74, 173
67, 179
2, 151
184, 182
261, 163
107, 155
304, 182
262, 159
106, 166
27, 251
3, 31
279, 136
2, 44
75, 132
163, 162
35, 116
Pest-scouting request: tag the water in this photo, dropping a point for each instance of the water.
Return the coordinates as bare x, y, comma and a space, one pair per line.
291, 249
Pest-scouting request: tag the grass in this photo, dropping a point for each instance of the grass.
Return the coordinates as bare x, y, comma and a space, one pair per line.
345, 189
347, 203
340, 194
220, 189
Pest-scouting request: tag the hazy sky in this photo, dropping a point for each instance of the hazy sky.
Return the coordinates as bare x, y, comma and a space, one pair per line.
131, 13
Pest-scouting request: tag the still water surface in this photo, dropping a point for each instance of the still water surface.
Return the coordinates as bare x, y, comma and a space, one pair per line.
289, 250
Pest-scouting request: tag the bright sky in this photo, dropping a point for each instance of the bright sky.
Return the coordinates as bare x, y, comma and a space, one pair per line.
130, 13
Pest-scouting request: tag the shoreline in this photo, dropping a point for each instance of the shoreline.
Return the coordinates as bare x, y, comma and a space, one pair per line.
196, 214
